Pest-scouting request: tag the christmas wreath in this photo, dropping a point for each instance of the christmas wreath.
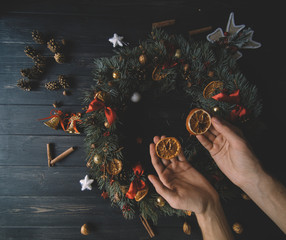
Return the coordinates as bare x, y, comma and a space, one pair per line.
177, 73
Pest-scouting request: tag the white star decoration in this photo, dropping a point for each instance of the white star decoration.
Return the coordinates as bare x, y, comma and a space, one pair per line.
116, 40
232, 29
86, 183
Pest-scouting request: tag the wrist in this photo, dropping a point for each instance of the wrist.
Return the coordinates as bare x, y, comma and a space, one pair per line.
213, 223
253, 180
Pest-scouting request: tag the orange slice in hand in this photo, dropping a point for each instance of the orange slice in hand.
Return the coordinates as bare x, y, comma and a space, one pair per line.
168, 148
198, 121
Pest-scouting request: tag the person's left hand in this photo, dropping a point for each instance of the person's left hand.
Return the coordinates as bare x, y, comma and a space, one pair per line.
180, 184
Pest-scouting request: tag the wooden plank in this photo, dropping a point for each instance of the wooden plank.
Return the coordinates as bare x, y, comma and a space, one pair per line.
79, 29
15, 208
22, 150
42, 181
37, 213
106, 232
34, 214
108, 9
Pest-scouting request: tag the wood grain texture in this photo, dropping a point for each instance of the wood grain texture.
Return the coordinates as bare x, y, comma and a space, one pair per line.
37, 202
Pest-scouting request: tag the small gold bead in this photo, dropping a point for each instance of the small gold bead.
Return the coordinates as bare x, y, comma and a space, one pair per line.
160, 201
115, 75
97, 159
106, 124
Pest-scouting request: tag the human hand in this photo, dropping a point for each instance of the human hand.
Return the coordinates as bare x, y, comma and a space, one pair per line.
180, 184
231, 152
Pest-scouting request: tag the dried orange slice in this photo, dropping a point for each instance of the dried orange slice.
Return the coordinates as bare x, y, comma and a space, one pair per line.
198, 121
211, 87
168, 148
141, 194
114, 167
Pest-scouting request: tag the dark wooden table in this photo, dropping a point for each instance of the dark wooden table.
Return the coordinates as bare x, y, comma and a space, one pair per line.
37, 202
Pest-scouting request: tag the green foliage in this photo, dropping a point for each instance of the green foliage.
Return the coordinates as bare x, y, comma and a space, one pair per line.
185, 75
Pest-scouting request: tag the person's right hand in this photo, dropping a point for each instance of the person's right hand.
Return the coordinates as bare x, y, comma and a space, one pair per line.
231, 152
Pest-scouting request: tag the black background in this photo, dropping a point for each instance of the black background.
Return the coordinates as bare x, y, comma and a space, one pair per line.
37, 202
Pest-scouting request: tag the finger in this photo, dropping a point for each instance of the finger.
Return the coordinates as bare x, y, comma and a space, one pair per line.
160, 187
205, 142
213, 130
209, 136
181, 156
157, 164
229, 131
156, 139
166, 162
173, 160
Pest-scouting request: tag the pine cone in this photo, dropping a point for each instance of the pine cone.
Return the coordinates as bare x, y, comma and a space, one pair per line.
31, 73
53, 85
40, 61
63, 81
59, 57
30, 52
24, 84
54, 46
38, 37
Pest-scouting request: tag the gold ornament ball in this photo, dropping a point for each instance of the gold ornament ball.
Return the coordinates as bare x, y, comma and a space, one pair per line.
160, 201
106, 124
216, 109
142, 59
237, 228
115, 75
84, 229
97, 159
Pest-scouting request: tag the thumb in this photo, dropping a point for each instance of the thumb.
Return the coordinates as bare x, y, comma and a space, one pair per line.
160, 187
229, 131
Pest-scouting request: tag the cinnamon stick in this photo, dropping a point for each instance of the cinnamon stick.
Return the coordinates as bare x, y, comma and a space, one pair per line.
200, 30
89, 161
62, 155
147, 226
49, 154
163, 23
